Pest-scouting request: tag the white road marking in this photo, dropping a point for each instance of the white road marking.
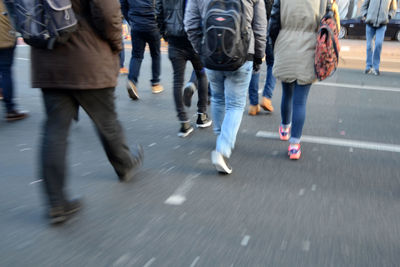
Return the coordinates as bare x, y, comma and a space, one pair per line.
356, 86
169, 169
313, 187
25, 149
21, 58
122, 261
179, 196
152, 144
301, 192
337, 142
76, 164
245, 240
150, 262
37, 181
283, 245
306, 245
195, 261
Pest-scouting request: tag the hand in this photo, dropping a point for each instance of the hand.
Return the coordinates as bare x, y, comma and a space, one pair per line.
257, 64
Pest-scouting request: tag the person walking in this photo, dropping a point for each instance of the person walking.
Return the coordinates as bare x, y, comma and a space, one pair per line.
229, 88
293, 31
141, 17
7, 49
376, 14
170, 20
270, 80
66, 86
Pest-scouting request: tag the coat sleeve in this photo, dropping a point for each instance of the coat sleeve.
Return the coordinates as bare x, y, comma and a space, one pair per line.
259, 26
107, 20
364, 8
160, 17
392, 9
274, 23
193, 24
124, 9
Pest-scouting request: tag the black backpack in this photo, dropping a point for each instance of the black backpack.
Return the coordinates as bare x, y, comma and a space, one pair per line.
43, 23
225, 37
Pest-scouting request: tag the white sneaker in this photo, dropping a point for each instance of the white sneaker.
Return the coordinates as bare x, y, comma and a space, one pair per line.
220, 162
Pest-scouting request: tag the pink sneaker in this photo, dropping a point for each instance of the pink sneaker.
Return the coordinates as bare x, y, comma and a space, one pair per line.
294, 151
284, 135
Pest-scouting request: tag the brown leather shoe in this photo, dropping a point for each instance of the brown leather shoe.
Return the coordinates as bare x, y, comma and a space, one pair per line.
157, 88
254, 110
16, 115
266, 104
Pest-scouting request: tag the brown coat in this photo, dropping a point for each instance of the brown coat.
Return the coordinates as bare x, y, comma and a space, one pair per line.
89, 60
7, 34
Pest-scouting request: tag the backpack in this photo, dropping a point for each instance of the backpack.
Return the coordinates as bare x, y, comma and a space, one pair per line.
225, 40
327, 48
43, 23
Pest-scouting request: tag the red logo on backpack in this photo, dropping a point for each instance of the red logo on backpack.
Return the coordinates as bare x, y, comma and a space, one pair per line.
327, 48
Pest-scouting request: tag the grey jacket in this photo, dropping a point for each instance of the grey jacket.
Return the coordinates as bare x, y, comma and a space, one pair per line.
256, 23
378, 12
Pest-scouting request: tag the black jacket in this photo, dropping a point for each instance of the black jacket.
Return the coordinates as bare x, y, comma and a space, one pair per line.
268, 7
140, 14
170, 15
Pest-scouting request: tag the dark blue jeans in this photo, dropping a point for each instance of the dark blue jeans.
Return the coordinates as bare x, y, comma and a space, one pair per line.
269, 82
293, 107
6, 83
139, 40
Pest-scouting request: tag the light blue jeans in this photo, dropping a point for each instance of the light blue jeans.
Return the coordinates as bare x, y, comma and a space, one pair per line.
374, 56
228, 100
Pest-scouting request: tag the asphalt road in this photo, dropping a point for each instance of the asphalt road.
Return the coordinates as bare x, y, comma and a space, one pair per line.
337, 206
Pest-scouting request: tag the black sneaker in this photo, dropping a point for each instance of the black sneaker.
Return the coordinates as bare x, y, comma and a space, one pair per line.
132, 90
220, 163
61, 214
188, 92
16, 115
186, 129
138, 155
203, 121
368, 70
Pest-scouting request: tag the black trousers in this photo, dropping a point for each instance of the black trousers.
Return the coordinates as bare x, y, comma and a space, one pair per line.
179, 56
61, 107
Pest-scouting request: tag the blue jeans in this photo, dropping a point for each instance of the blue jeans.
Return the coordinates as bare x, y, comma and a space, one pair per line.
374, 57
228, 100
269, 82
6, 83
139, 40
293, 108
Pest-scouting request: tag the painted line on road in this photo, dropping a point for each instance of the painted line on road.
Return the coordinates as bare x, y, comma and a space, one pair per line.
37, 181
21, 58
179, 196
362, 87
245, 241
150, 262
195, 261
337, 142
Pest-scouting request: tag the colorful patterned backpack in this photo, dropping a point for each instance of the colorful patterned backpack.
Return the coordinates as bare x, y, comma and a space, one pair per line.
327, 48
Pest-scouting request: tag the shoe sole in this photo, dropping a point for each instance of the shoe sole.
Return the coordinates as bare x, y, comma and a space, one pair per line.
157, 91
204, 125
132, 91
187, 96
220, 168
267, 109
180, 134
16, 119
